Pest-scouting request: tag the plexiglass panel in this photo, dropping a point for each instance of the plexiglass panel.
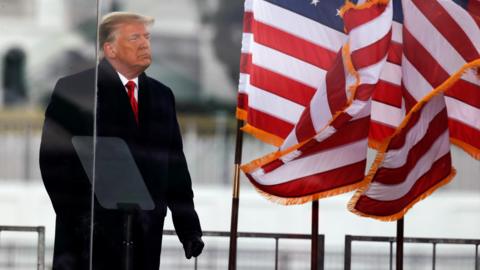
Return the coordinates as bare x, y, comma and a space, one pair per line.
43, 186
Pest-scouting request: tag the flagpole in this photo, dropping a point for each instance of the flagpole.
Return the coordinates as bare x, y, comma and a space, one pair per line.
232, 256
399, 257
314, 249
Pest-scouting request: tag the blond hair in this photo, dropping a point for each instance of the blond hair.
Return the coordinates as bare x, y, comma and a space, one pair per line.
111, 21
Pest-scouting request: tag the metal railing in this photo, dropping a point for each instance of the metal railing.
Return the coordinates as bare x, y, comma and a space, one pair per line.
274, 236
40, 230
391, 240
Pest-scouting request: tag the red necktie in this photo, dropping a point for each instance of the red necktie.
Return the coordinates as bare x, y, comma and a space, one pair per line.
131, 95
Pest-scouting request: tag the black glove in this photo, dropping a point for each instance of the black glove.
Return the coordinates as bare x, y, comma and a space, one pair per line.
193, 247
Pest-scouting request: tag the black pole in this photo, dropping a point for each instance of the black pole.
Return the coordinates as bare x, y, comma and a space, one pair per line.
314, 249
232, 257
128, 241
347, 256
399, 258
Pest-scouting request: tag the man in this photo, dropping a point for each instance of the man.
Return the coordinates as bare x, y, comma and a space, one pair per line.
138, 110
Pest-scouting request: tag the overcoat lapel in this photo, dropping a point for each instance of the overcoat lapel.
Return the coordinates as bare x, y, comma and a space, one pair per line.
112, 94
144, 106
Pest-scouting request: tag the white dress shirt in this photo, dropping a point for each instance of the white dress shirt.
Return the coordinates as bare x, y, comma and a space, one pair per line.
124, 82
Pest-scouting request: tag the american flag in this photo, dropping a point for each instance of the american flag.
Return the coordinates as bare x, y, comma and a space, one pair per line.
295, 44
295, 90
441, 42
323, 149
287, 48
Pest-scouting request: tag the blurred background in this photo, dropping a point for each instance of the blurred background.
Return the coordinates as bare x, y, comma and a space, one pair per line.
196, 50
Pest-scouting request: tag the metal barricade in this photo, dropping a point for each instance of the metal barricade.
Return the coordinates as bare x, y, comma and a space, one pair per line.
274, 236
391, 240
40, 243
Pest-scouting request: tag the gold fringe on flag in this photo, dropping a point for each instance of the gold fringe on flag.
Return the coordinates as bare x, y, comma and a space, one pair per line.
262, 135
374, 144
400, 214
241, 114
308, 198
350, 5
470, 149
383, 147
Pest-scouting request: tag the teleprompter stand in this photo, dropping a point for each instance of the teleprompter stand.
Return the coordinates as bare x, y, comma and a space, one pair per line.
117, 182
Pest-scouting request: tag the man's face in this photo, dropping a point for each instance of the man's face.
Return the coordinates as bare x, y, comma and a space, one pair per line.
131, 47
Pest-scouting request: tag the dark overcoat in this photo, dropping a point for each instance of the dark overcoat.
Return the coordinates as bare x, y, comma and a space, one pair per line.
156, 145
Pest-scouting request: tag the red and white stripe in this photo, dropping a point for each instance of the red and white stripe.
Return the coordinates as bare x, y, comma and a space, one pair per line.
458, 38
330, 138
416, 161
387, 102
281, 51
457, 42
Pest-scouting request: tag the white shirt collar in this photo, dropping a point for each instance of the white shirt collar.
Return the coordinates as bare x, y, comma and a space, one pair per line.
125, 80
